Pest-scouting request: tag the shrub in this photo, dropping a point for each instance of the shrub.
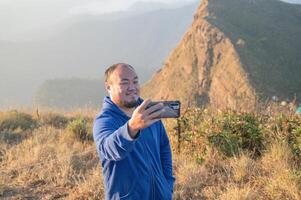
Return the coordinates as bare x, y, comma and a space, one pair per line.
238, 132
190, 124
229, 132
2, 153
55, 120
288, 129
80, 129
294, 141
11, 138
193, 128
13, 120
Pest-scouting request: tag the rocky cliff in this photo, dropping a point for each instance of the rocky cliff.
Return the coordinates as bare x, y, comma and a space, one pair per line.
217, 62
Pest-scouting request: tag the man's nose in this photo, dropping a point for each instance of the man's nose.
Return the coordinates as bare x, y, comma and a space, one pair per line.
132, 86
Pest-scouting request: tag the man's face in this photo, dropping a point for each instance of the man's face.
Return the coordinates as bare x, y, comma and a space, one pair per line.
123, 87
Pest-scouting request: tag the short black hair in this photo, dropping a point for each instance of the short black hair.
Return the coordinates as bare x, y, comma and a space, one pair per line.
112, 68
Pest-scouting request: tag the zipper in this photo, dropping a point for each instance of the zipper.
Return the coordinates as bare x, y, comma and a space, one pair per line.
150, 171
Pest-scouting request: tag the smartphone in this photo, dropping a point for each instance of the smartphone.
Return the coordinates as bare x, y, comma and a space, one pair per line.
171, 109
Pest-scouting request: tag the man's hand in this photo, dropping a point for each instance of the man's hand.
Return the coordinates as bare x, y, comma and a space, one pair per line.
142, 117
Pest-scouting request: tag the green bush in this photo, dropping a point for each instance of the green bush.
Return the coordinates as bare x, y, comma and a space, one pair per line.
191, 123
2, 153
232, 132
288, 129
13, 120
10, 137
294, 140
238, 132
79, 128
55, 120
228, 132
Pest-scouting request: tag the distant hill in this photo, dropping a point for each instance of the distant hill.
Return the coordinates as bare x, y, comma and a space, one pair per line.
70, 93
87, 45
234, 53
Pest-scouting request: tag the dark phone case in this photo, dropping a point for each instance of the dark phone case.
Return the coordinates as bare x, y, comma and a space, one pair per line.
171, 108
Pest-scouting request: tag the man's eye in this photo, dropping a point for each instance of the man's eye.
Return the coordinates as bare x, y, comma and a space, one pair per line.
135, 82
123, 83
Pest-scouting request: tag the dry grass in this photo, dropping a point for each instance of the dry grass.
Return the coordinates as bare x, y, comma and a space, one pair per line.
278, 166
49, 163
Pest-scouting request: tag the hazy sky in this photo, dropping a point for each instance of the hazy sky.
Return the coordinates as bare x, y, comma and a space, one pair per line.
21, 16
18, 16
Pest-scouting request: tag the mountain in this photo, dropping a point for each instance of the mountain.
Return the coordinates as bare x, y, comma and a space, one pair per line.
86, 46
235, 53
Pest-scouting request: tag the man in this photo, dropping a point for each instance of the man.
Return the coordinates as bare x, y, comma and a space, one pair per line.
131, 141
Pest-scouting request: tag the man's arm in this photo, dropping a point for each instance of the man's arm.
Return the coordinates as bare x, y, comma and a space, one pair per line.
166, 157
112, 143
115, 143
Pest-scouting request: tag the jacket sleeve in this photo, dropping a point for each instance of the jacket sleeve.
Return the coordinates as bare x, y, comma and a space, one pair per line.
112, 143
166, 157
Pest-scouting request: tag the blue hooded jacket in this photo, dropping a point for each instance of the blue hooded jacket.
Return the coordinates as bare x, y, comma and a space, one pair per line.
136, 169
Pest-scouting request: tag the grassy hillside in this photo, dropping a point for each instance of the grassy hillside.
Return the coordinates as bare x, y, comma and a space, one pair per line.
267, 36
222, 155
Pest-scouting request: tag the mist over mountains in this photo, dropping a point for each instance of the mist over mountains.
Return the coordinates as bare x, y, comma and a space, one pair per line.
264, 39
85, 46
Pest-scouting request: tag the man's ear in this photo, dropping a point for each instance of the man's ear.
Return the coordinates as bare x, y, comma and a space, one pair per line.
108, 87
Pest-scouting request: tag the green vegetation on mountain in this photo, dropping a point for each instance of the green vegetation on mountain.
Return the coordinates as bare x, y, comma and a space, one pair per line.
235, 54
267, 36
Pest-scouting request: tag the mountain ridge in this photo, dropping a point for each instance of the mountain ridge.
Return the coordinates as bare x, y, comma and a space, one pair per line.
206, 66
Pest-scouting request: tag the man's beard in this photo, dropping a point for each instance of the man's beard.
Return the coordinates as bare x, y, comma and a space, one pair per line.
131, 104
